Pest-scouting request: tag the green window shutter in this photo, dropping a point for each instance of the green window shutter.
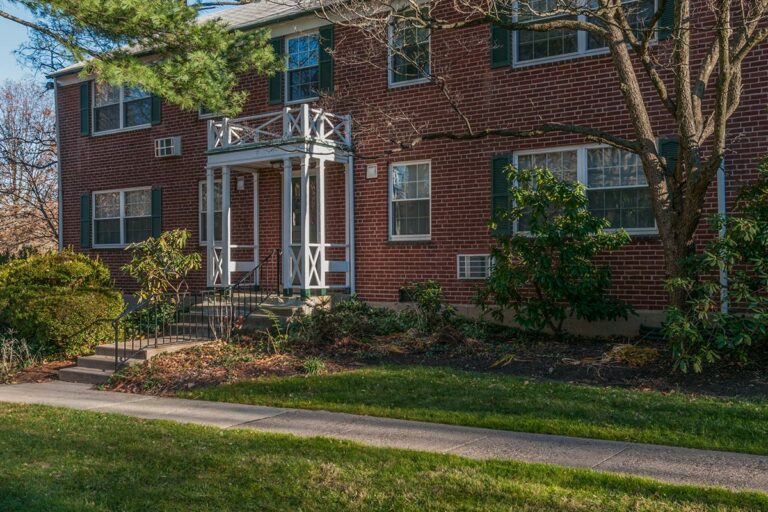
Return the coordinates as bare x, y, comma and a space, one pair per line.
85, 109
500, 191
276, 82
85, 221
157, 109
669, 148
667, 20
501, 46
157, 211
325, 69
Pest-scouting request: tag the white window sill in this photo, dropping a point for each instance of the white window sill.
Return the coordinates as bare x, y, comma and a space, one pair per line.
109, 246
122, 130
563, 58
303, 100
415, 238
406, 83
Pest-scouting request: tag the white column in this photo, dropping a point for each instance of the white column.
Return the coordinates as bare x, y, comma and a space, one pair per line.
305, 226
349, 185
226, 255
321, 222
209, 223
256, 241
287, 254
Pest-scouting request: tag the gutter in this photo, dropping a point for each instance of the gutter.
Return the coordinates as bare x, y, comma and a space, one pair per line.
60, 195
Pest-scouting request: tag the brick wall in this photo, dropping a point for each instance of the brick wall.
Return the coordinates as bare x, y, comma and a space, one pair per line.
582, 90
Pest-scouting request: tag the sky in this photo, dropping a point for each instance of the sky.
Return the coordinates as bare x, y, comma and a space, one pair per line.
11, 36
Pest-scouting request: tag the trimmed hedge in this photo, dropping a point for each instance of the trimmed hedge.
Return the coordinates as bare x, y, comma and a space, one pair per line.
52, 300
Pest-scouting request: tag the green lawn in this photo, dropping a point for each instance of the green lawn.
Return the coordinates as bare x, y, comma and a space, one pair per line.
510, 403
66, 461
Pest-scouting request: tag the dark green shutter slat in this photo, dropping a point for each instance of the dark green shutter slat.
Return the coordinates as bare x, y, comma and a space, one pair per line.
501, 46
668, 148
85, 221
667, 20
325, 69
276, 82
500, 192
157, 212
157, 109
85, 108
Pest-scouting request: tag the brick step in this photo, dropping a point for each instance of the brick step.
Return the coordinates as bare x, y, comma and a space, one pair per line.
97, 362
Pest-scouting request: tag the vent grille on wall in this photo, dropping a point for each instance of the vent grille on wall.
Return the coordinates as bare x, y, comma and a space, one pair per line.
473, 266
170, 146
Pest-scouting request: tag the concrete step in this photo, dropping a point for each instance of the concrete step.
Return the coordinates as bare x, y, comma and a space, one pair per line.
84, 375
143, 350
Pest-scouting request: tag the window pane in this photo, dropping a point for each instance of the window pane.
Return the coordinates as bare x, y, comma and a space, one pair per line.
106, 118
138, 229
550, 43
107, 205
106, 231
410, 52
134, 93
410, 181
611, 167
303, 84
138, 203
105, 94
217, 218
638, 13
138, 112
624, 208
410, 217
303, 51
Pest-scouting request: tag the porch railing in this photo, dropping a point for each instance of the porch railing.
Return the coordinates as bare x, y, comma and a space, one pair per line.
292, 124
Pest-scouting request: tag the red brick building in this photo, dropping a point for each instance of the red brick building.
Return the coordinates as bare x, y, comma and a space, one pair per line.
286, 176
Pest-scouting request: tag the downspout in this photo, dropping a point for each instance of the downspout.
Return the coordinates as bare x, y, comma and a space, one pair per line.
60, 194
722, 211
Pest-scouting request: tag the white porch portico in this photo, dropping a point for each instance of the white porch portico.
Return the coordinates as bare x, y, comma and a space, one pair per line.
305, 146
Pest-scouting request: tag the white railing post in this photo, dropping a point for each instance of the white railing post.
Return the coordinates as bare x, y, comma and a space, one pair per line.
226, 134
211, 134
226, 252
305, 133
209, 225
321, 224
287, 129
305, 257
287, 203
348, 130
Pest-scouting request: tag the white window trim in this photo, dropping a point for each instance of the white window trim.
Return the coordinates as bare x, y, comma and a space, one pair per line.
211, 115
121, 103
286, 84
391, 83
582, 50
122, 216
467, 277
201, 184
581, 176
390, 200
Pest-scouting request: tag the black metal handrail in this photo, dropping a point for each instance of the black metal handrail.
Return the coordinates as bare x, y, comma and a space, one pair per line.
174, 318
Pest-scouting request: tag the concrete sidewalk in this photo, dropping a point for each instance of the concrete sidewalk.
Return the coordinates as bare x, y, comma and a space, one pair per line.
675, 465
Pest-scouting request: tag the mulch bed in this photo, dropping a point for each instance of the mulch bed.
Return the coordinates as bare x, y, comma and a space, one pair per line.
40, 373
637, 364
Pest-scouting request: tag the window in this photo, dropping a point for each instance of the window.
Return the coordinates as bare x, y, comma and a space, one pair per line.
116, 108
217, 217
296, 220
303, 67
558, 44
616, 185
409, 53
206, 113
617, 188
473, 266
410, 201
122, 217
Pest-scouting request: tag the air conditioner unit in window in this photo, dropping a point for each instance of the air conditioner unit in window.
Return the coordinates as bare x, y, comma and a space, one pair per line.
169, 146
474, 266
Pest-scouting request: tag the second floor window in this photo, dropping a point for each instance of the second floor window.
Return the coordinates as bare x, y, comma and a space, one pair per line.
303, 67
552, 45
408, 53
116, 107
